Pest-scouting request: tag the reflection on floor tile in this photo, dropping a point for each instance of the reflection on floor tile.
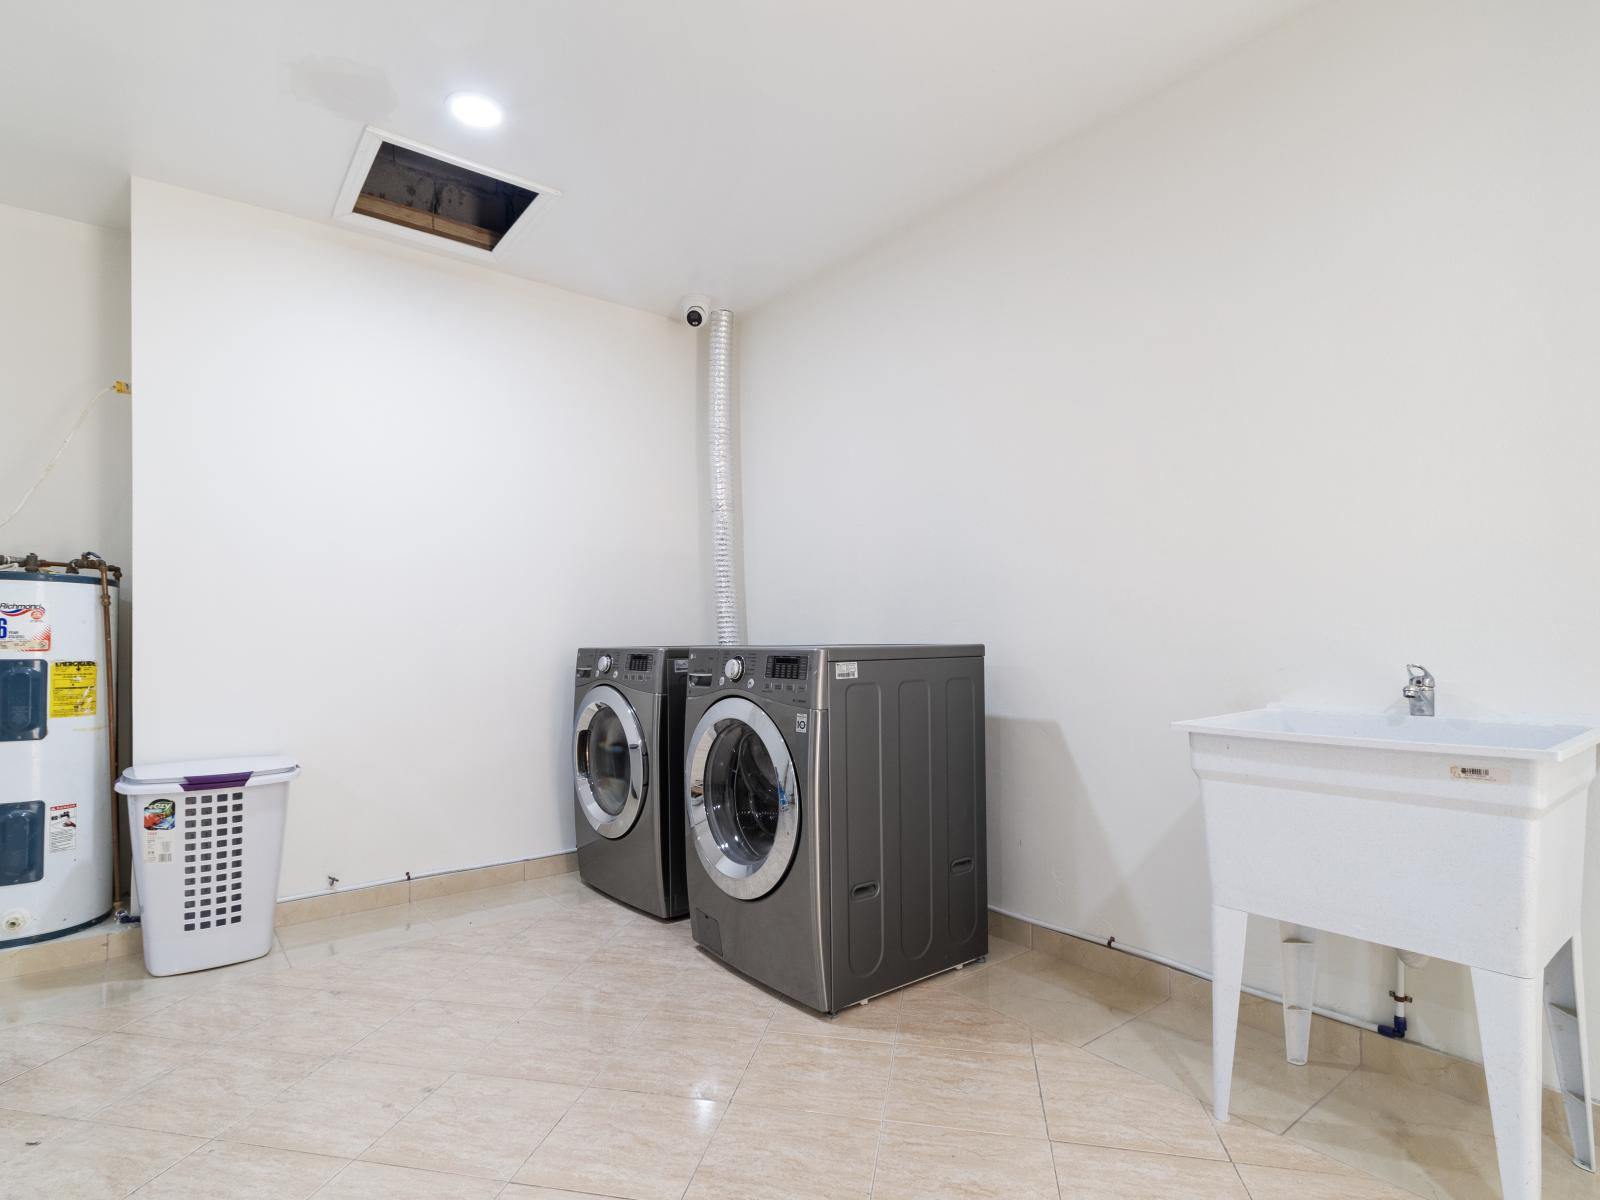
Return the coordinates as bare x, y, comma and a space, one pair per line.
762, 1153
541, 1034
627, 1144
1055, 998
819, 1074
1171, 1044
943, 1018
1247, 1143
696, 1061
965, 1089
1093, 1102
1424, 1141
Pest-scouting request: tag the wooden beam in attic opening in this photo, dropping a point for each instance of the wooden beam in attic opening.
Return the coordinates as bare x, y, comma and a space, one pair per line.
415, 218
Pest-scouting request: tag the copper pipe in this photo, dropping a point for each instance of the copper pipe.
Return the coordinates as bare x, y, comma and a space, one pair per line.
32, 562
111, 735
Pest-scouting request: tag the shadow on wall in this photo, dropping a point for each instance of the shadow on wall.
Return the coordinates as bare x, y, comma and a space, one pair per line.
1050, 853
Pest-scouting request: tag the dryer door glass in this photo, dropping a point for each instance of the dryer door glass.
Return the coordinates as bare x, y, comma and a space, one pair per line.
605, 755
744, 801
610, 762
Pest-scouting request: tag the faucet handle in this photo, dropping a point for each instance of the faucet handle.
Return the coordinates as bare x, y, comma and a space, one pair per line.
1420, 676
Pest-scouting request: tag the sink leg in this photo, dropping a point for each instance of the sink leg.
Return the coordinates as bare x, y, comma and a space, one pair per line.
1227, 976
1508, 1028
1569, 1038
1299, 987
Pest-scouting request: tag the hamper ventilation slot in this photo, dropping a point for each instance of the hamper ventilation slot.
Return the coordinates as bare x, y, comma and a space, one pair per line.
212, 896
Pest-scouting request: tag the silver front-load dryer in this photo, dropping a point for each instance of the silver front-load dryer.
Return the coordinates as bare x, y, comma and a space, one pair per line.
835, 800
627, 742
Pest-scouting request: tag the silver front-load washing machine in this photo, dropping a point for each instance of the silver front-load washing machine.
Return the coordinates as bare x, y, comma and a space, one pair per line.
627, 747
836, 815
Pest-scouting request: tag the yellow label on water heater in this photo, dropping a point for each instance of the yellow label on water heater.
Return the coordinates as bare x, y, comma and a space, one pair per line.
73, 688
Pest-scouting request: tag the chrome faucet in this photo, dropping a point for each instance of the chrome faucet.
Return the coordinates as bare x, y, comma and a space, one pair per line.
1419, 690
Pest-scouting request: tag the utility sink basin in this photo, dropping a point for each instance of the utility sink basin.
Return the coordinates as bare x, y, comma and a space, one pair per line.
1379, 731
1459, 839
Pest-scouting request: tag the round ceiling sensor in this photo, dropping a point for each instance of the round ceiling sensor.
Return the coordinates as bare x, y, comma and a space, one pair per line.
480, 112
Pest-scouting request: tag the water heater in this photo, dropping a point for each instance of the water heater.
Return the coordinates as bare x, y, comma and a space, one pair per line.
55, 754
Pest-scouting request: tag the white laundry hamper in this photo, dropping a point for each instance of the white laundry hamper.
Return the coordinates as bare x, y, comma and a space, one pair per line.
207, 842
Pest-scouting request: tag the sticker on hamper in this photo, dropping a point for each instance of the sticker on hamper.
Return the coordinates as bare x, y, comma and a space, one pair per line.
62, 834
160, 818
73, 688
1481, 774
23, 629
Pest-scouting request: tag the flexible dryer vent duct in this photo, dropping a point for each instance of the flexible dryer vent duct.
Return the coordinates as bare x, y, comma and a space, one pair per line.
724, 544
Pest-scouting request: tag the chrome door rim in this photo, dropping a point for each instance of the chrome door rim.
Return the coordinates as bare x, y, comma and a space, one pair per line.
608, 826
739, 880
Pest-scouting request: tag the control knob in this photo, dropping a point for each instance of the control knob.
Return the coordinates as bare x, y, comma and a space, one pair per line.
733, 668
603, 663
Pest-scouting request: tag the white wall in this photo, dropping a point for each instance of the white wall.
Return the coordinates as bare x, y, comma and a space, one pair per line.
63, 337
1273, 384
380, 497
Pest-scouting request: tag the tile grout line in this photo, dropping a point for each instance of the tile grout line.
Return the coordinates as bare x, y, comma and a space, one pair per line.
883, 1111
582, 1092
728, 1104
1338, 1083
182, 1157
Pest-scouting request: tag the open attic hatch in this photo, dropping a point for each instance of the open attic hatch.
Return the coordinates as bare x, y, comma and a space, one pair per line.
413, 192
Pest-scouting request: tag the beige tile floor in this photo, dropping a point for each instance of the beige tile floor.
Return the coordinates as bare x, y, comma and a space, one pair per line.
537, 1042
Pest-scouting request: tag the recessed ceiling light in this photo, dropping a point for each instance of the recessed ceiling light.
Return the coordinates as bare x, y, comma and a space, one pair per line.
478, 111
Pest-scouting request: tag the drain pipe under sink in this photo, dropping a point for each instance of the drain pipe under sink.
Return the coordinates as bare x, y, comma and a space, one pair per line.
1402, 960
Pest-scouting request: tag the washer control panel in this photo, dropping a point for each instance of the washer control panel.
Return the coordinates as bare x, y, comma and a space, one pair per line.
769, 674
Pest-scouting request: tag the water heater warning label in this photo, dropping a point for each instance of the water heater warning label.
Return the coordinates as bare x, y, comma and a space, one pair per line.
63, 825
72, 689
23, 628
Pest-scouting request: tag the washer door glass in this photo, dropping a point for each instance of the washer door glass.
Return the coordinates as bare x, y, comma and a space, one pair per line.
744, 805
609, 762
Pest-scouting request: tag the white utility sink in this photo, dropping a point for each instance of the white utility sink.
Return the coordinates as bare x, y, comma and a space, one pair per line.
1459, 839
1381, 731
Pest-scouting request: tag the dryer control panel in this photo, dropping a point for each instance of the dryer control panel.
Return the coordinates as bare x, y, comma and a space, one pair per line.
646, 669
768, 674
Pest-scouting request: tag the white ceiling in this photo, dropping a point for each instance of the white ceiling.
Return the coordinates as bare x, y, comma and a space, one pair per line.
732, 147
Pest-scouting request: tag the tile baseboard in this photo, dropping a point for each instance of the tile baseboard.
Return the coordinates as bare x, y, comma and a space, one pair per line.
108, 941
422, 887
